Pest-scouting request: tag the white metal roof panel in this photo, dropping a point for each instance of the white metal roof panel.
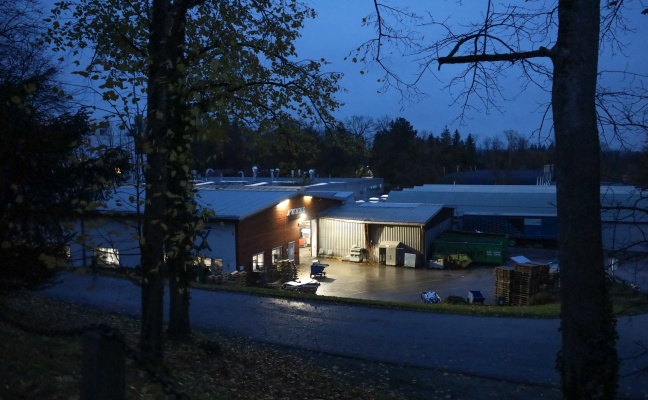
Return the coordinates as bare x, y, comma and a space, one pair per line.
465, 199
518, 199
410, 213
331, 195
241, 203
227, 203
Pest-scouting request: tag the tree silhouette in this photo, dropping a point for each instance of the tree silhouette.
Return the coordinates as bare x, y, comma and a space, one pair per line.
556, 46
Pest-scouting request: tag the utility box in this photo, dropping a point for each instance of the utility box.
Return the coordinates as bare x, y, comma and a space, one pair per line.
475, 297
410, 260
391, 253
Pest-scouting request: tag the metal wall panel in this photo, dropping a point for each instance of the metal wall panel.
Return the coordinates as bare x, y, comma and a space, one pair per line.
105, 233
411, 236
220, 241
432, 233
336, 237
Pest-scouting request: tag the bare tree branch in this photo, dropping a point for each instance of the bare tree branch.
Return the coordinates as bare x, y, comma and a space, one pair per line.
450, 59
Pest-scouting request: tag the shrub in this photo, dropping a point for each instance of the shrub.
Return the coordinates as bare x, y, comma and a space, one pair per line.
542, 298
455, 300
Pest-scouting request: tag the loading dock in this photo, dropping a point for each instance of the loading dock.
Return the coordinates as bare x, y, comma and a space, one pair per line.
370, 225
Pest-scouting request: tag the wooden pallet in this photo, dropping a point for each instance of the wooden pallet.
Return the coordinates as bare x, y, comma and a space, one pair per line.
504, 274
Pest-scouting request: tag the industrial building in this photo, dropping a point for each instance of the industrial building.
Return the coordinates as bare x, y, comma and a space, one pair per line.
252, 224
255, 222
378, 231
528, 212
250, 228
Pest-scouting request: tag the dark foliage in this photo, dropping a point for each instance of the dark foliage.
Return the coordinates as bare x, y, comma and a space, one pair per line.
394, 151
46, 179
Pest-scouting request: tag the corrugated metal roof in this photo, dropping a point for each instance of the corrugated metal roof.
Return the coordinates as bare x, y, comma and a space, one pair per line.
535, 200
227, 203
330, 195
405, 213
485, 188
241, 203
493, 199
491, 177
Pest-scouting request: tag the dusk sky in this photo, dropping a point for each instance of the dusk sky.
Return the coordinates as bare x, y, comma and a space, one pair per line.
338, 30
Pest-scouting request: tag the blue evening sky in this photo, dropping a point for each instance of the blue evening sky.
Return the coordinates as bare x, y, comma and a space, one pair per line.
338, 30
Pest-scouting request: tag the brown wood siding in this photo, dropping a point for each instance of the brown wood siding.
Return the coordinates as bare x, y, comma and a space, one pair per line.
273, 227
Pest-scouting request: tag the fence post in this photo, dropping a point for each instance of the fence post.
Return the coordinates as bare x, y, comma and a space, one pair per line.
103, 368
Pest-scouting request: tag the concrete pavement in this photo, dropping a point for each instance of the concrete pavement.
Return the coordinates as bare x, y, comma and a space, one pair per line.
383, 282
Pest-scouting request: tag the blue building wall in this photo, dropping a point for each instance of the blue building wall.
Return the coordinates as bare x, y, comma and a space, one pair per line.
519, 227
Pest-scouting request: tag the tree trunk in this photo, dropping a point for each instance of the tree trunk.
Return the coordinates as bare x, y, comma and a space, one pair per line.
182, 219
180, 254
179, 246
588, 362
152, 330
179, 326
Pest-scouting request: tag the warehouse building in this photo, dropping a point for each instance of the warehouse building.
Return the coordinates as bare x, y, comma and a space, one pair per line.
387, 233
250, 227
528, 212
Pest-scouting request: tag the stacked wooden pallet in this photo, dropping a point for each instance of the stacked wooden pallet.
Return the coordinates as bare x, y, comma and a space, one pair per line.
503, 284
216, 279
287, 270
528, 279
517, 286
239, 278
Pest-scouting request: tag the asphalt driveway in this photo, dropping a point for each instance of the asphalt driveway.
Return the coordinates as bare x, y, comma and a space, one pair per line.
510, 349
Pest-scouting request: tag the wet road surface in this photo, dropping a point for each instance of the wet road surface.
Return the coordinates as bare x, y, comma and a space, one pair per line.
521, 350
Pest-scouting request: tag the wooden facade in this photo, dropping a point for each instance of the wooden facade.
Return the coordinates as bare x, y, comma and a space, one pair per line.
277, 227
